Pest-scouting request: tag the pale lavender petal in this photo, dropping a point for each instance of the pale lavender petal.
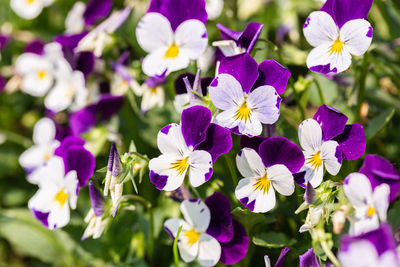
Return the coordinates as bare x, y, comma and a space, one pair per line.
310, 194
221, 227
218, 141
96, 200
352, 141
236, 249
274, 74
95, 10
195, 121
331, 121
309, 259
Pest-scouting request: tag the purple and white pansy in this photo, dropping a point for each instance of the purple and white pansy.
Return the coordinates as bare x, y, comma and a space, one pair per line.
193, 241
327, 140
29, 9
173, 32
337, 31
190, 147
266, 170
248, 93
370, 206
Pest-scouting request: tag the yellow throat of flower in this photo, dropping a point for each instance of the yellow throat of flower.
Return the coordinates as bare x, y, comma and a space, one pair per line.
61, 197
337, 47
370, 211
30, 1
315, 160
243, 112
192, 236
41, 73
172, 51
180, 165
263, 183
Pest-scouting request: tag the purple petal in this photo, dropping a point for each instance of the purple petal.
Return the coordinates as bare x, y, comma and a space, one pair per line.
195, 121
236, 249
180, 87
66, 143
344, 10
252, 142
177, 11
218, 141
111, 157
379, 170
324, 69
82, 161
220, 227
2, 83
84, 62
331, 120
279, 150
96, 199
156, 80
309, 195
382, 238
246, 39
309, 259
274, 74
299, 178
4, 40
95, 10
35, 47
41, 216
243, 67
158, 180
279, 262
83, 120
117, 166
352, 141
70, 40
108, 106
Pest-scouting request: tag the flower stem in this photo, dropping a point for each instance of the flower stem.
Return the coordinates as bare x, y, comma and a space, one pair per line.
16, 138
231, 169
362, 82
321, 96
330, 254
175, 247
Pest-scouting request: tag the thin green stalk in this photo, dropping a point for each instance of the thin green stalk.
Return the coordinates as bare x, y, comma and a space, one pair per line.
175, 247
132, 102
362, 85
330, 254
195, 191
321, 96
16, 138
232, 169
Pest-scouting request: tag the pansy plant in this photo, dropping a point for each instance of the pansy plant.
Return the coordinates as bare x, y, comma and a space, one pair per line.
189, 147
173, 33
248, 93
337, 31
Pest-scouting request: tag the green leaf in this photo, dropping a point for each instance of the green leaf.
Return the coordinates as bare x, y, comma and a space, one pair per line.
175, 247
248, 219
273, 240
378, 123
102, 170
393, 215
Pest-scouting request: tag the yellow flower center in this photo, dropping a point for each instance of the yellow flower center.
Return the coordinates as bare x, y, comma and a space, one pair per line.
61, 197
370, 211
180, 165
172, 51
41, 73
153, 90
263, 183
243, 113
30, 1
47, 156
315, 160
192, 236
337, 47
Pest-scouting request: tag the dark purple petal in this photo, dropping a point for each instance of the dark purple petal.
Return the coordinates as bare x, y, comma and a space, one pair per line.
35, 47
236, 249
4, 40
84, 62
179, 84
95, 10
251, 142
82, 161
108, 106
69, 40
299, 178
274, 74
247, 204
352, 141
156, 80
344, 10
324, 69
220, 227
83, 120
309, 195
379, 170
41, 216
66, 143
309, 259
158, 180
111, 157
218, 141
382, 238
2, 83
96, 199
195, 121
246, 39
279, 150
331, 121
243, 67
117, 166
279, 262
177, 11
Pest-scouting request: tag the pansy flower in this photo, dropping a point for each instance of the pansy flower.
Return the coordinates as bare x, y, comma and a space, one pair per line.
371, 249
238, 42
248, 93
193, 241
370, 205
327, 140
44, 141
173, 32
152, 92
29, 9
269, 169
190, 147
336, 32
56, 195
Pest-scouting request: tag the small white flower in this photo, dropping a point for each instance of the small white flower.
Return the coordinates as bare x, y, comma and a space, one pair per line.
29, 9
75, 23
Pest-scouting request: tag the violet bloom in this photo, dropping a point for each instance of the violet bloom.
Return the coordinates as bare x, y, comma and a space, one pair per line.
238, 42
173, 32
248, 93
279, 262
266, 170
190, 147
327, 140
229, 233
337, 31
152, 92
380, 171
309, 259
371, 249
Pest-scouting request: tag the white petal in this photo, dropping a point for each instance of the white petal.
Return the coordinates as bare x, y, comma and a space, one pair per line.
172, 142
187, 251
381, 200
228, 92
359, 253
196, 213
35, 86
173, 225
71, 184
281, 178
209, 250
155, 63
154, 32
27, 10
44, 131
228, 47
322, 56
214, 8
389, 258
162, 165
59, 216
33, 157
60, 97
267, 261
42, 200
354, 35
250, 127
191, 37
314, 176
320, 28
358, 191
227, 118
364, 225
74, 22
249, 163
152, 97
328, 155
52, 174
200, 162
263, 102
310, 135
